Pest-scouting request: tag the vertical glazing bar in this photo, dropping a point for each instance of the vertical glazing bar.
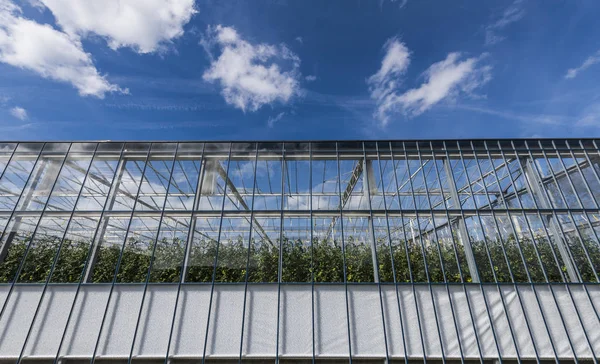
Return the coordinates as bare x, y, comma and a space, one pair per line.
280, 265
460, 272
216, 261
87, 261
312, 249
460, 348
463, 234
155, 243
339, 183
184, 263
114, 281
197, 195
374, 246
510, 326
57, 254
387, 221
248, 253
420, 231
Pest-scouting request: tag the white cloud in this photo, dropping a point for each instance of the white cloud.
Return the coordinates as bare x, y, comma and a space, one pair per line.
444, 79
144, 25
590, 61
48, 52
250, 74
512, 14
19, 113
272, 120
310, 78
299, 40
384, 84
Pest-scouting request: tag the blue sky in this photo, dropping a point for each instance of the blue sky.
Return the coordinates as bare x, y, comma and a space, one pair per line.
298, 69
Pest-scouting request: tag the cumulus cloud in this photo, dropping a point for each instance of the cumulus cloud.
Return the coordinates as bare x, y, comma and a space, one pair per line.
512, 14
143, 25
48, 52
590, 61
445, 79
250, 75
19, 113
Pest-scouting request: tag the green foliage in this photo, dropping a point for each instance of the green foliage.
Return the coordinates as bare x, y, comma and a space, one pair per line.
301, 261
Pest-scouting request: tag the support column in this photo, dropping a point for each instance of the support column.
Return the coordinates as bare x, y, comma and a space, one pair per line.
108, 206
535, 187
463, 234
370, 189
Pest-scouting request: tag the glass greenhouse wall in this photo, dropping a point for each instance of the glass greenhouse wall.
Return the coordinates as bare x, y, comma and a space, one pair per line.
378, 250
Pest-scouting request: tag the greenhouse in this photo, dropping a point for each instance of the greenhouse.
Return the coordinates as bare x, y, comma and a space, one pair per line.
369, 251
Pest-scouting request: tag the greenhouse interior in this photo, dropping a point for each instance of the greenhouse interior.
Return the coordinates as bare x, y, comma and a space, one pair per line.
330, 251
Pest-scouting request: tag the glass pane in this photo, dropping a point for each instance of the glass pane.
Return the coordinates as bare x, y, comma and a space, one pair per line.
359, 246
170, 250
98, 183
233, 250
14, 179
296, 250
39, 186
138, 250
15, 240
75, 250
202, 255
69, 182
328, 255
129, 176
264, 250
110, 240
43, 250
155, 184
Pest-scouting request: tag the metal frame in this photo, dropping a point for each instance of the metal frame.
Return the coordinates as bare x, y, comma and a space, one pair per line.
536, 180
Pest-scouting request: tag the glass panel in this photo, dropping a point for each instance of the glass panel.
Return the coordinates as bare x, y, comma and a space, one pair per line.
297, 184
15, 240
129, 176
98, 183
264, 250
110, 241
75, 250
325, 189
268, 191
69, 182
358, 241
184, 183
138, 250
43, 250
43, 177
202, 255
327, 249
170, 250
296, 250
14, 179
155, 183
233, 250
